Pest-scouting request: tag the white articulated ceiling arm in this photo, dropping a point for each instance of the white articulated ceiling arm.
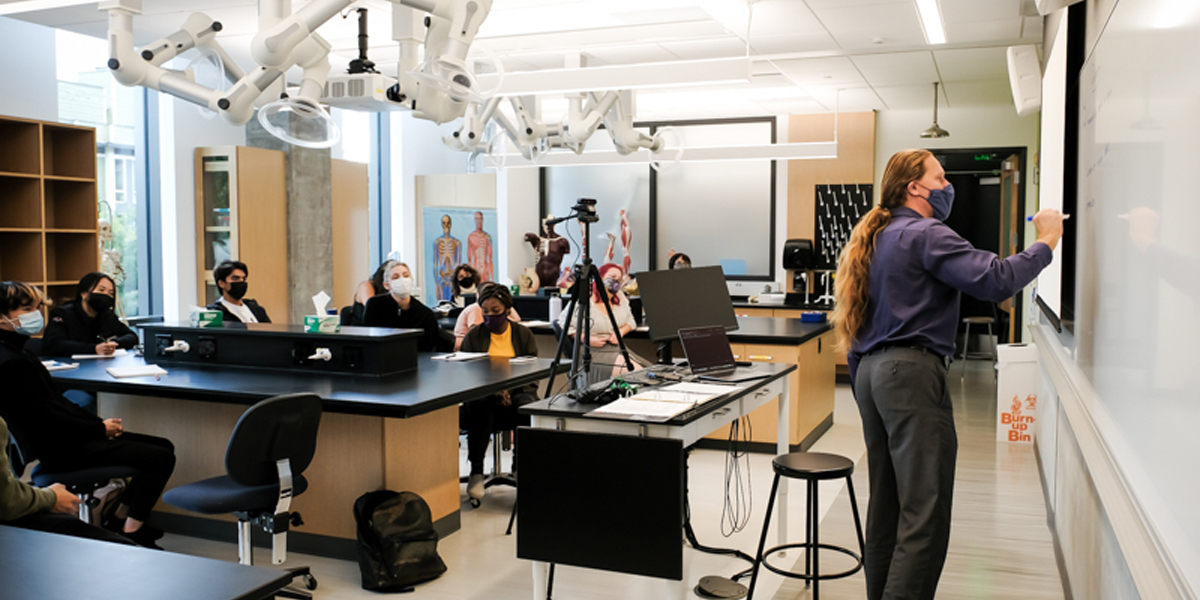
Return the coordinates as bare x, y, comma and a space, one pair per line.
198, 31
619, 122
130, 69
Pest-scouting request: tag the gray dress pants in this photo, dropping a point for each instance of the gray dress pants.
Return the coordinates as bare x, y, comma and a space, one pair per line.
908, 424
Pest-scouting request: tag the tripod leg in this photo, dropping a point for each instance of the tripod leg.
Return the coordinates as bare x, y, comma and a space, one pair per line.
562, 342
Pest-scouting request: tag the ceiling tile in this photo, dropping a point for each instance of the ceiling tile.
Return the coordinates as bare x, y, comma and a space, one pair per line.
972, 64
833, 71
958, 11
983, 31
898, 68
787, 44
782, 17
857, 26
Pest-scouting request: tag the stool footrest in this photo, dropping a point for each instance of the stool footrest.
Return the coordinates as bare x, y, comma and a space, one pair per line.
806, 576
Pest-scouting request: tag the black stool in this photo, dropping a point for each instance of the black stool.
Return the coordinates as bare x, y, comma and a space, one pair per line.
811, 467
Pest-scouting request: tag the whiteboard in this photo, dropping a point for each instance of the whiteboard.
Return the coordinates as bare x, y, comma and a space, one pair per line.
1138, 268
1050, 163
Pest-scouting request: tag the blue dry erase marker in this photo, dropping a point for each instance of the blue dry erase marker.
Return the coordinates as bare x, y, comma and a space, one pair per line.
1029, 219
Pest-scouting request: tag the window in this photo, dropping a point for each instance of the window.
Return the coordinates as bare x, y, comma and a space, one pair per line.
88, 96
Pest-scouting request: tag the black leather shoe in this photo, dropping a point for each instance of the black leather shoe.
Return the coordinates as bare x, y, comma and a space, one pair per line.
143, 538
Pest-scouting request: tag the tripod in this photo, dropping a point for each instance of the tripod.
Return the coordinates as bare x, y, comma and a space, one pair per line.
586, 274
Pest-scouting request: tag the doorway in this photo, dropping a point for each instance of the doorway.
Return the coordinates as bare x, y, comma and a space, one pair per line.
989, 212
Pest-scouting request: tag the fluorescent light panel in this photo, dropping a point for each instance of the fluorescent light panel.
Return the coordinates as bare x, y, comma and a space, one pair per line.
797, 151
621, 77
931, 21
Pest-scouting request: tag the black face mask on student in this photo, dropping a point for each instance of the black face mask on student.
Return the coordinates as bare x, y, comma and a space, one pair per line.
237, 289
100, 302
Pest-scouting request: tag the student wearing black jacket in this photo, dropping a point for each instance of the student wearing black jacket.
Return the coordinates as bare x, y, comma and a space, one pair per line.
231, 276
500, 338
398, 309
63, 436
88, 325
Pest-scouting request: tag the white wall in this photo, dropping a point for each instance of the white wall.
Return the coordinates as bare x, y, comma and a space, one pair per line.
28, 71
417, 149
518, 210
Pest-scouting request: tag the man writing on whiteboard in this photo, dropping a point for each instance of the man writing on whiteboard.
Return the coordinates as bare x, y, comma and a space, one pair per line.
898, 288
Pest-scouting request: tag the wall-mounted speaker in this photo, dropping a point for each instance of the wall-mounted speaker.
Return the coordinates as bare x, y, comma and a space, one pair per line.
1025, 77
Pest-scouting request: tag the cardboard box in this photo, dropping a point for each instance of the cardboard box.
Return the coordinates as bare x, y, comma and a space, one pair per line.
322, 323
207, 318
1016, 393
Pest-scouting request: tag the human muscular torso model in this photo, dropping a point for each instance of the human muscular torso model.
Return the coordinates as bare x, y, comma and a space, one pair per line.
551, 249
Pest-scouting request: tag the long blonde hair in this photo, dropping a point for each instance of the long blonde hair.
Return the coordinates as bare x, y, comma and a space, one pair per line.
852, 286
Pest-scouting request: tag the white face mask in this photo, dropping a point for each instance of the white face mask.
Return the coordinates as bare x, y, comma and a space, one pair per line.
27, 324
401, 287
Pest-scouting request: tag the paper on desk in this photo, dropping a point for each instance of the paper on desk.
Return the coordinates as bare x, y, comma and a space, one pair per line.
642, 410
116, 353
460, 356
536, 323
516, 360
137, 371
54, 365
711, 389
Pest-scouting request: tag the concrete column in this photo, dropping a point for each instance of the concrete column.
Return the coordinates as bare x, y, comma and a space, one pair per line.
309, 217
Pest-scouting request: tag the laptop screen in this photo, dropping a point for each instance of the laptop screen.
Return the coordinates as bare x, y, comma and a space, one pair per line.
707, 349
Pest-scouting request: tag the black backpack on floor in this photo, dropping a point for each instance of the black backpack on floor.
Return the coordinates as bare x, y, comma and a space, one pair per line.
397, 546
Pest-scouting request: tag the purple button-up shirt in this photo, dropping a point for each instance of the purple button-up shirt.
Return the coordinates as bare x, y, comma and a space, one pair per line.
918, 271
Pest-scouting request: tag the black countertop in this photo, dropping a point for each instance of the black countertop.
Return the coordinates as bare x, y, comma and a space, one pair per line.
566, 407
434, 385
785, 305
753, 330
49, 566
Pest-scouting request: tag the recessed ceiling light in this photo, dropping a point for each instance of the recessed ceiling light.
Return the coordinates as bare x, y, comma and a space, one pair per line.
931, 21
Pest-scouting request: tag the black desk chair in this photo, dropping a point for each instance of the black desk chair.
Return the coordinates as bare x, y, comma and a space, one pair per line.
271, 446
83, 483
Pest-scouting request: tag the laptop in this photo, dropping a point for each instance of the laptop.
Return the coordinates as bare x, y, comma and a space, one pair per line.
709, 355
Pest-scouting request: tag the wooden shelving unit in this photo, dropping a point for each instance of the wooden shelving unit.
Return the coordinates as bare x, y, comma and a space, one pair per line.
47, 205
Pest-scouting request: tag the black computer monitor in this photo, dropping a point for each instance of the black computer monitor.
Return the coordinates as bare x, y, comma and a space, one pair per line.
684, 298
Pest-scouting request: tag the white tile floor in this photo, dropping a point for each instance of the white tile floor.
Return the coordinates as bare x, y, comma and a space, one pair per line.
483, 565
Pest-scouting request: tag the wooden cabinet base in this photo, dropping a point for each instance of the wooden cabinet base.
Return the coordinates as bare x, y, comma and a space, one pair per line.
355, 454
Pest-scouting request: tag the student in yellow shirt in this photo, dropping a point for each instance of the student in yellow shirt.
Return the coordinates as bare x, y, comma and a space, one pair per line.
500, 338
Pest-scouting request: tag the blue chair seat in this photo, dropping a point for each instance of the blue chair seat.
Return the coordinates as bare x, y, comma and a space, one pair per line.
221, 495
83, 480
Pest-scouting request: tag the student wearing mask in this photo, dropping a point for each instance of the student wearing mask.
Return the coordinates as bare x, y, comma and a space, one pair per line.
898, 288
365, 291
88, 325
399, 310
465, 281
231, 277
500, 338
63, 436
605, 350
472, 315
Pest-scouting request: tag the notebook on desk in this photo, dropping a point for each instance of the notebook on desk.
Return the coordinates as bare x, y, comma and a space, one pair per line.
710, 357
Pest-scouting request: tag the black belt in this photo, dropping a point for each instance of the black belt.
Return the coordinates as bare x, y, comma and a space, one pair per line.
884, 348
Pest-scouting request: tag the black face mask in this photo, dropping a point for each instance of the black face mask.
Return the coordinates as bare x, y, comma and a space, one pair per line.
464, 283
101, 302
237, 289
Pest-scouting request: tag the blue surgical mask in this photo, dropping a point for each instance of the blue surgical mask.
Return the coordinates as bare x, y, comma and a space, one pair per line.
941, 201
28, 324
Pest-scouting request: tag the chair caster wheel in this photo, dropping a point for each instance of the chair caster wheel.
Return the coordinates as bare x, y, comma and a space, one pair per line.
475, 502
310, 582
